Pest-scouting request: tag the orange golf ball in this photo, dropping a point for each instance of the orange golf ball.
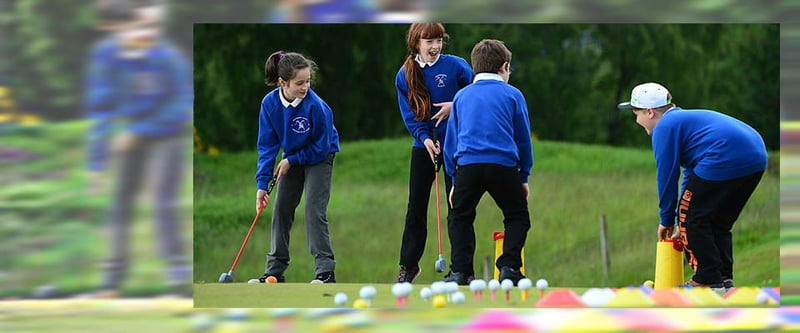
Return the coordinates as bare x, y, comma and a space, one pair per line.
272, 279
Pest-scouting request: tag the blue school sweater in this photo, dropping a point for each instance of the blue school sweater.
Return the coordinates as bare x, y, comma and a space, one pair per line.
489, 124
447, 75
151, 96
709, 144
305, 132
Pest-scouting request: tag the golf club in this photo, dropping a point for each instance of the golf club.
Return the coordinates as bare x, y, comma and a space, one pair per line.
441, 264
228, 277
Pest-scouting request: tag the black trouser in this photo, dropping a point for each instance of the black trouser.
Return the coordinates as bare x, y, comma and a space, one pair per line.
706, 213
504, 186
419, 192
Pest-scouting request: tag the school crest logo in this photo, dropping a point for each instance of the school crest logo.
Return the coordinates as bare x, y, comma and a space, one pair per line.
301, 125
440, 80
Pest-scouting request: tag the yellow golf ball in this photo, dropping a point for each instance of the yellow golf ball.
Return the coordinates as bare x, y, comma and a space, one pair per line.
439, 301
360, 304
649, 283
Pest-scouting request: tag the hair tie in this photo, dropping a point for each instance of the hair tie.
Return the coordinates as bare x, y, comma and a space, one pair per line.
281, 56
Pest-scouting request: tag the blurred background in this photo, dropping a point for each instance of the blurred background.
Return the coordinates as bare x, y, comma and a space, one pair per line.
54, 222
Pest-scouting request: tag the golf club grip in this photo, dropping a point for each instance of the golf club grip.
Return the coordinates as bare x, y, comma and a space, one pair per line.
272, 184
436, 162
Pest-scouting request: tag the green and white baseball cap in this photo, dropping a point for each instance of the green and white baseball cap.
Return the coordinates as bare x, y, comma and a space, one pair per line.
647, 96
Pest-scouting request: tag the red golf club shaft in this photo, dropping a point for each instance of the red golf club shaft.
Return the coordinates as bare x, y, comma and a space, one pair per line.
438, 214
252, 226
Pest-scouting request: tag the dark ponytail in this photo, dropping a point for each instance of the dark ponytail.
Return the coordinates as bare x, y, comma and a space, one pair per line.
285, 65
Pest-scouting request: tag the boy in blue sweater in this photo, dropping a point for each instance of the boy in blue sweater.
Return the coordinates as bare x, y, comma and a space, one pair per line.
723, 160
488, 149
293, 117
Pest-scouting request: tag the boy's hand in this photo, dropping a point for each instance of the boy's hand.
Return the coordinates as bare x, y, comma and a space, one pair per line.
443, 113
665, 233
124, 142
527, 190
450, 197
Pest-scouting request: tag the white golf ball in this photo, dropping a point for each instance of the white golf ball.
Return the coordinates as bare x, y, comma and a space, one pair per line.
398, 289
524, 284
451, 287
340, 299
315, 281
425, 293
762, 297
367, 292
237, 314
494, 284
438, 287
541, 284
506, 285
475, 285
202, 321
253, 281
457, 297
407, 288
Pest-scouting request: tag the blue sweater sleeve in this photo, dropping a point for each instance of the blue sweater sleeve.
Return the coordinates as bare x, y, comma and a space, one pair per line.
99, 102
418, 129
268, 146
522, 137
451, 142
321, 130
666, 151
177, 106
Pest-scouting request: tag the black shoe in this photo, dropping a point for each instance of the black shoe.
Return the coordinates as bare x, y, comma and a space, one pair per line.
279, 278
325, 277
460, 278
408, 275
728, 284
511, 274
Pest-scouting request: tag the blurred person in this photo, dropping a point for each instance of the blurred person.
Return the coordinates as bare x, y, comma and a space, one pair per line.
139, 96
722, 159
293, 117
323, 11
425, 84
488, 149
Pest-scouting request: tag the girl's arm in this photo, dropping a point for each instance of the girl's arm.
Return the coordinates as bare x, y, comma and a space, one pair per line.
268, 146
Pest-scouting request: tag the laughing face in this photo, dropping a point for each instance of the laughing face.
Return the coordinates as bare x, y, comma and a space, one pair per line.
298, 86
429, 49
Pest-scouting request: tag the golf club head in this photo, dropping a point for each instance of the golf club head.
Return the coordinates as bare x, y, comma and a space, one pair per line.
225, 278
440, 265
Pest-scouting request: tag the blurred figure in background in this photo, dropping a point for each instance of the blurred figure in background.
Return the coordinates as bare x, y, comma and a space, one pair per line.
323, 11
139, 95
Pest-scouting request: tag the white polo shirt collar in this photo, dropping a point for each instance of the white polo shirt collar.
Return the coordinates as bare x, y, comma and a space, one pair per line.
422, 63
286, 103
487, 76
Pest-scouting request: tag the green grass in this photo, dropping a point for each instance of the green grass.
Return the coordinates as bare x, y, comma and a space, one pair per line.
572, 187
53, 232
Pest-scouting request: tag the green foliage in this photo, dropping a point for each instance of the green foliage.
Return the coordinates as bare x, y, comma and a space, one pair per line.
572, 75
571, 190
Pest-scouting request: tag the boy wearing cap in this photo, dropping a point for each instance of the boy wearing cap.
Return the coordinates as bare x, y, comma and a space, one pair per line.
723, 160
488, 149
